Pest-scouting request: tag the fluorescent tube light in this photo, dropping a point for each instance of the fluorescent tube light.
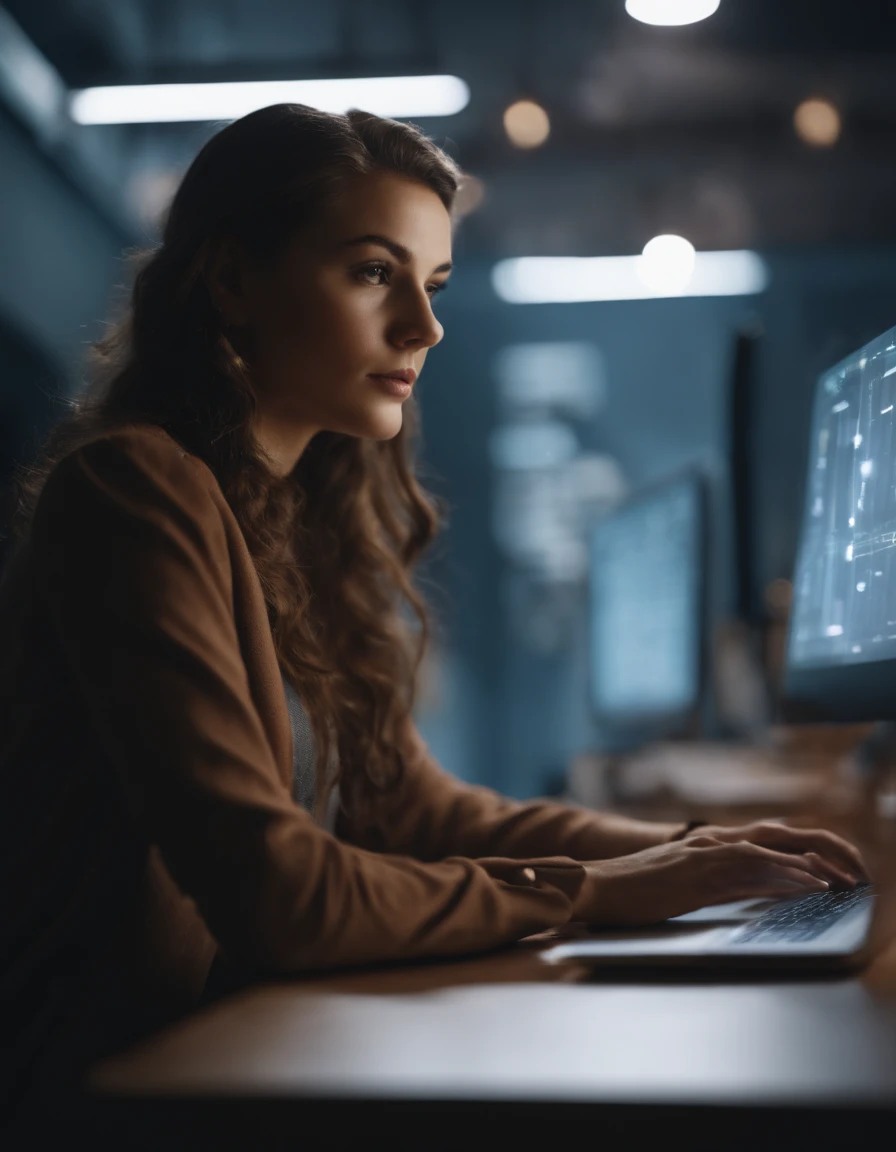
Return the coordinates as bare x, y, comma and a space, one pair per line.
164, 103
576, 279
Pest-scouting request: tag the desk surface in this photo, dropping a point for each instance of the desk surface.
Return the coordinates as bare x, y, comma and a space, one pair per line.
509, 1026
507, 1050
754, 1044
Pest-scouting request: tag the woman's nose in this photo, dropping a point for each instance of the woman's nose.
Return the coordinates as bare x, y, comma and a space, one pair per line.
418, 326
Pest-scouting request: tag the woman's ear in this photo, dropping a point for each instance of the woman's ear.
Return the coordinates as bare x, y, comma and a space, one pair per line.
225, 272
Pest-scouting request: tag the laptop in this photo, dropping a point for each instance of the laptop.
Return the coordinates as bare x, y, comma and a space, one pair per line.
826, 931
840, 663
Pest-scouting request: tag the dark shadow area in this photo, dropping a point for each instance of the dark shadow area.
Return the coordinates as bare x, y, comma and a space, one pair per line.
449, 1124
31, 400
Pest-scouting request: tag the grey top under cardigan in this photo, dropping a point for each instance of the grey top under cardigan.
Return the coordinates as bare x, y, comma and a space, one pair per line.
304, 758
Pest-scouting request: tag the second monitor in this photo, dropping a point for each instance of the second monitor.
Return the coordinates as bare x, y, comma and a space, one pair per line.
647, 619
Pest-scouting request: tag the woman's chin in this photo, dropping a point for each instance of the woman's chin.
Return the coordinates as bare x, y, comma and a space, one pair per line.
384, 424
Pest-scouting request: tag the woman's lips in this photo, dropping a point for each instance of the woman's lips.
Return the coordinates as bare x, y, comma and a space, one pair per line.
393, 385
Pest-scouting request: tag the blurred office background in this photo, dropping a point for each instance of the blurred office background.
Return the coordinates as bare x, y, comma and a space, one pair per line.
763, 131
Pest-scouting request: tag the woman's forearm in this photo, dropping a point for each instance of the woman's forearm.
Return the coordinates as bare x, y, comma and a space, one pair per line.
433, 815
618, 835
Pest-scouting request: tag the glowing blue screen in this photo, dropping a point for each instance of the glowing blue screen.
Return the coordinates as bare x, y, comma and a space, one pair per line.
844, 605
645, 604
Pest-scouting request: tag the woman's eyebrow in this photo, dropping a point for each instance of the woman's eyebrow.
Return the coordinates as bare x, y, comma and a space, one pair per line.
401, 254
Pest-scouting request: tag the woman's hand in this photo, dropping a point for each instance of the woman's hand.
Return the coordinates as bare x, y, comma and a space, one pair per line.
835, 859
670, 879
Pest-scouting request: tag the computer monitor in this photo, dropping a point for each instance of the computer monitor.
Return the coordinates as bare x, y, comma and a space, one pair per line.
841, 650
647, 612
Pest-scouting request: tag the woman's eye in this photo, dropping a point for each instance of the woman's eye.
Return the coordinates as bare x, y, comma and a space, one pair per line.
378, 274
375, 270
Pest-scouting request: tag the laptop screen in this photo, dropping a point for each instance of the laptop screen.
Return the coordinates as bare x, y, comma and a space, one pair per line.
844, 605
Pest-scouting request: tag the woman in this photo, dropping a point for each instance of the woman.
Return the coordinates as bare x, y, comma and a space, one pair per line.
207, 674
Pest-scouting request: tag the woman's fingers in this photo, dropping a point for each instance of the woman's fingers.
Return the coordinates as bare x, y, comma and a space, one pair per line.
797, 876
777, 890
836, 875
769, 889
704, 841
778, 883
792, 860
835, 850
832, 847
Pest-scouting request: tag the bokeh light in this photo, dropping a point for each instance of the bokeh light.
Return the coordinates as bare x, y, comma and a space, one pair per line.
817, 122
469, 196
526, 124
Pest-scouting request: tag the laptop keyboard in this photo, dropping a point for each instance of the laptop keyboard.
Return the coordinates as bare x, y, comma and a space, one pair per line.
802, 919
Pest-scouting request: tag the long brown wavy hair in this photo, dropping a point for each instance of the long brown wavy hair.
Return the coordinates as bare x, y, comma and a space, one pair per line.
336, 541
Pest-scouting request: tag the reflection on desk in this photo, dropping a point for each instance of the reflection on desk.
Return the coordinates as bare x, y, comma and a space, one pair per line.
757, 1044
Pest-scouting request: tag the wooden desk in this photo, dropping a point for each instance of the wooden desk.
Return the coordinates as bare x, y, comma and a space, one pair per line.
480, 1051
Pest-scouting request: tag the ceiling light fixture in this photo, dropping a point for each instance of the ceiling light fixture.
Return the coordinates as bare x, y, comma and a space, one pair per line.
667, 264
670, 11
579, 279
394, 96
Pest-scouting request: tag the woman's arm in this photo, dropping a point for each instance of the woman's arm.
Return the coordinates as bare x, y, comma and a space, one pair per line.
133, 569
434, 815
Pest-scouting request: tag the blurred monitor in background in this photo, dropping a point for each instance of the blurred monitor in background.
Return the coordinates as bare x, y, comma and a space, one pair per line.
841, 656
647, 621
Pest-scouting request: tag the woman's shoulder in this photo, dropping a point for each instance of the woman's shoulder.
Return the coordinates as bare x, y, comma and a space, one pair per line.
149, 444
147, 447
138, 463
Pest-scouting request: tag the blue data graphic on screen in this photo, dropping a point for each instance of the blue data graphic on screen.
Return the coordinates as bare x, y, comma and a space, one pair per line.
844, 607
645, 605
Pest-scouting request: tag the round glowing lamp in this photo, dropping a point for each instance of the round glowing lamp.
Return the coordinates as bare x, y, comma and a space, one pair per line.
666, 264
670, 12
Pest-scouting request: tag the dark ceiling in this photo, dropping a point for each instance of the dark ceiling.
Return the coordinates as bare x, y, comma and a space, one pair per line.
653, 129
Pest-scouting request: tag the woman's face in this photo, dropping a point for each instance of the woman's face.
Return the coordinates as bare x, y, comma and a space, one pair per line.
349, 300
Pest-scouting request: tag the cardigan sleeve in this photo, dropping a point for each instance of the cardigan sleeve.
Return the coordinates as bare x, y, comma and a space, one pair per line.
432, 814
133, 565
